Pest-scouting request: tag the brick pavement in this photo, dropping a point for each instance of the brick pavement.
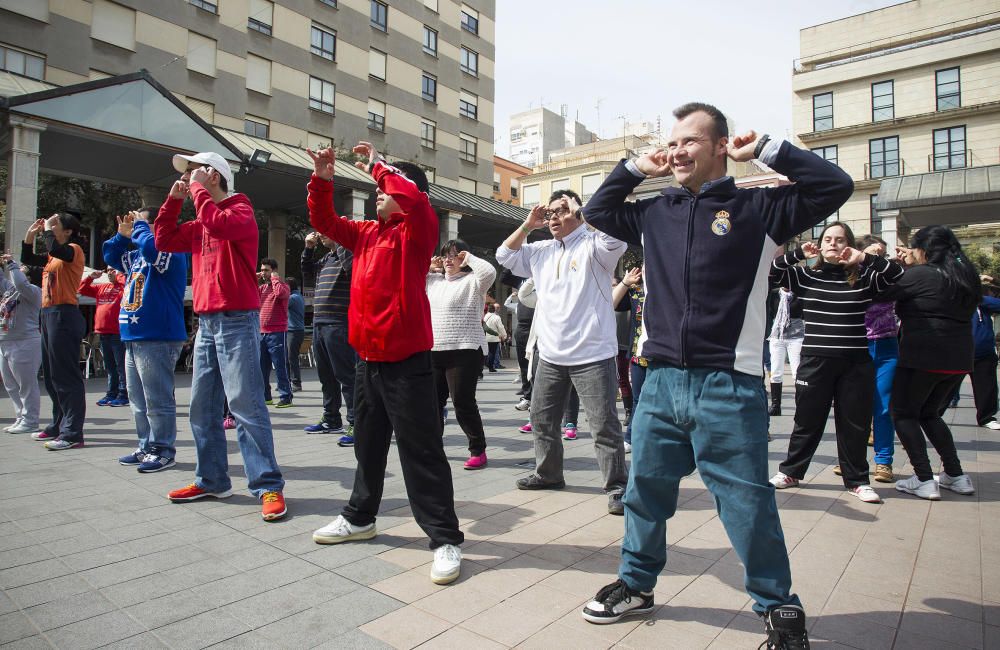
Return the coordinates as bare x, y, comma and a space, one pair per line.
92, 555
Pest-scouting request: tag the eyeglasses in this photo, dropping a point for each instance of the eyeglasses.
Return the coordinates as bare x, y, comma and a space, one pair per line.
450, 255
558, 212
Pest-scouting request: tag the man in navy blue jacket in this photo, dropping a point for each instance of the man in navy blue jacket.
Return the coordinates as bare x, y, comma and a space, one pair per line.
707, 247
984, 367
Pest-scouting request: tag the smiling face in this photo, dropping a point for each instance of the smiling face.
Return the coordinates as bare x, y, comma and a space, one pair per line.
694, 153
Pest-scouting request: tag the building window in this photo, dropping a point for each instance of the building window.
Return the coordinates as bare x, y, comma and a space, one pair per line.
818, 229
949, 148
380, 15
470, 20
876, 219
113, 23
261, 16
468, 105
532, 195
467, 147
376, 64
210, 7
469, 62
467, 184
321, 95
588, 185
430, 173
561, 184
428, 133
949, 89
331, 3
376, 115
201, 54
204, 110
823, 112
22, 63
324, 43
429, 87
430, 41
882, 101
513, 188
496, 182
827, 153
883, 157
517, 136
256, 126
258, 74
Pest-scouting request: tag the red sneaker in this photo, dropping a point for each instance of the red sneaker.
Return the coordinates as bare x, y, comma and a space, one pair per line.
526, 428
193, 493
476, 462
274, 506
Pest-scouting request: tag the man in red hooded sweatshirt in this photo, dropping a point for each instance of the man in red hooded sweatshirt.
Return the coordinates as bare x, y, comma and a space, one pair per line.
389, 325
223, 242
109, 302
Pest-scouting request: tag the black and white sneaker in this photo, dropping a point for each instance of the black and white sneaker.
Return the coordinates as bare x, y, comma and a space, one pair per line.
786, 629
616, 601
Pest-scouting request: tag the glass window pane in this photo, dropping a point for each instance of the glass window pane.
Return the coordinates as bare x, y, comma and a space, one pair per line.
34, 67
15, 61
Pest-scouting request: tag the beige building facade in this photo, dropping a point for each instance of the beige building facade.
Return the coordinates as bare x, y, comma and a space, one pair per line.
414, 77
906, 90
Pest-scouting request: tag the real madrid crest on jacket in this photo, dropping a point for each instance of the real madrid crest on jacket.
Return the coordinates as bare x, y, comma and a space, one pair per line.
721, 225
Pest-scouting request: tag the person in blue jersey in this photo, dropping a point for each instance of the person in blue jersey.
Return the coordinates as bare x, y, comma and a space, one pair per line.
151, 321
703, 405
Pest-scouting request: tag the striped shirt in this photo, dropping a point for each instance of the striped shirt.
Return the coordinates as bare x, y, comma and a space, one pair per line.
332, 275
832, 308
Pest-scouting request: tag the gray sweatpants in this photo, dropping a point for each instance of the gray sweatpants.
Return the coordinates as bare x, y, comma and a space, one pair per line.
19, 363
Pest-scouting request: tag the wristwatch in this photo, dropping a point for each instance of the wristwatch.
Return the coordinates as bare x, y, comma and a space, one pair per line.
759, 149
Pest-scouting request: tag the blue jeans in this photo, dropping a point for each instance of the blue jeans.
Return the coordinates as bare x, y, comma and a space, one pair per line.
272, 353
714, 421
113, 351
336, 364
637, 374
149, 366
226, 365
885, 353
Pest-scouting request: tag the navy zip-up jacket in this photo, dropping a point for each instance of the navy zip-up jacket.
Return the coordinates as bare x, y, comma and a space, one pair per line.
707, 256
982, 328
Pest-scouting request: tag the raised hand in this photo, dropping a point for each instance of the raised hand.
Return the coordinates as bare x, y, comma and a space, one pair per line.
633, 277
850, 256
654, 164
138, 216
201, 175
810, 250
875, 248
437, 264
125, 224
95, 274
536, 218
51, 222
365, 149
323, 161
179, 190
312, 239
741, 147
33, 230
460, 258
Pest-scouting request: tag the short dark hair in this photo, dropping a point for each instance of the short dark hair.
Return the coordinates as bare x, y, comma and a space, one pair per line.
70, 221
152, 211
414, 173
270, 261
558, 194
458, 244
719, 125
222, 181
293, 284
868, 240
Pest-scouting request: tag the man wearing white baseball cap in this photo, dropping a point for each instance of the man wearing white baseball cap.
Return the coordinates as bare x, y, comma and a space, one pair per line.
223, 242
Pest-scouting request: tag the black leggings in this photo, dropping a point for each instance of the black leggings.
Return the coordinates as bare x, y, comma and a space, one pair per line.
918, 400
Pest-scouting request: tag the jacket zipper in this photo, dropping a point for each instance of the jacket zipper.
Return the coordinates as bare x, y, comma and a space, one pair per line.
559, 263
687, 283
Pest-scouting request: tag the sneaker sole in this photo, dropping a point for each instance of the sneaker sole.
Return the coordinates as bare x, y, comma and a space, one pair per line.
130, 464
546, 486
206, 495
363, 535
282, 406
274, 516
603, 620
345, 444
483, 466
885, 479
862, 500
784, 486
156, 469
446, 579
73, 445
951, 489
932, 497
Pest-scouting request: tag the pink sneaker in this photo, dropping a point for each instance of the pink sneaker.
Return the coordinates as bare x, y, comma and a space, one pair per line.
526, 428
43, 435
229, 423
476, 462
569, 431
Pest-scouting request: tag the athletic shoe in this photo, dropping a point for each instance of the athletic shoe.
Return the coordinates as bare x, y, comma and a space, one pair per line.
993, 424
118, 401
269, 401
961, 484
59, 444
781, 481
535, 482
569, 431
21, 427
193, 493
476, 462
296, 388
523, 405
628, 447
615, 505
283, 403
323, 427
340, 530
134, 459
105, 401
447, 564
866, 493
13, 424
837, 470
525, 429
274, 507
615, 601
229, 422
153, 463
347, 440
923, 489
883, 473
785, 627
43, 435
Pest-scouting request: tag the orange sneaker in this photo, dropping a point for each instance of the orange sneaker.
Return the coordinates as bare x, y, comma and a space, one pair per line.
274, 506
193, 493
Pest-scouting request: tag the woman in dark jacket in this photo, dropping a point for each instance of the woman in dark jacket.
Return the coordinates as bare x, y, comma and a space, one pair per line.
935, 300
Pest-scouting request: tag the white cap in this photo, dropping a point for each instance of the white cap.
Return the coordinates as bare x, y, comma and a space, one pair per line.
213, 160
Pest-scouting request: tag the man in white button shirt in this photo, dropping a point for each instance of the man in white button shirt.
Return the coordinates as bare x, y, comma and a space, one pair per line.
577, 343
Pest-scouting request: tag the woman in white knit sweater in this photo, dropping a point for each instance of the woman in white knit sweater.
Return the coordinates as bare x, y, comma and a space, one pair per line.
456, 285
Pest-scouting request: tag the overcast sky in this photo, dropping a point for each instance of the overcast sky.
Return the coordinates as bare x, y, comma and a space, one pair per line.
643, 58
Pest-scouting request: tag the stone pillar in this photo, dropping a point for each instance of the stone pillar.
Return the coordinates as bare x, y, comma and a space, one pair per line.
448, 226
890, 228
22, 178
356, 204
276, 241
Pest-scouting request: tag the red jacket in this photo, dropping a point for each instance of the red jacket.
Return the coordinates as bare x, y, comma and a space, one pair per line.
109, 302
223, 243
389, 318
273, 306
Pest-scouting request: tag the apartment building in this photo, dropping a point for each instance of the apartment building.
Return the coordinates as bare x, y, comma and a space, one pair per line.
909, 90
415, 77
537, 133
506, 184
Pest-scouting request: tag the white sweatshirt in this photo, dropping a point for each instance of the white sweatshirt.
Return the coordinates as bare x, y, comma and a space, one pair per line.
457, 306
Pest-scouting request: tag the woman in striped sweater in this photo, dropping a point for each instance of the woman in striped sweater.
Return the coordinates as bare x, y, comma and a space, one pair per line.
456, 285
835, 366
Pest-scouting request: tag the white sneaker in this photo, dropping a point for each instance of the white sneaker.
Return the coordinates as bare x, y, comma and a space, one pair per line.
13, 425
340, 530
628, 447
923, 489
961, 484
993, 424
781, 481
447, 564
523, 405
866, 494
21, 427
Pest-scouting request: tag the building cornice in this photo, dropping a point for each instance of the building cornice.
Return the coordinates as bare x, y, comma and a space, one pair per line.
818, 137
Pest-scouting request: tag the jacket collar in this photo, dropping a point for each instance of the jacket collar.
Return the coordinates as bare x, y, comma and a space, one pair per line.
724, 186
573, 236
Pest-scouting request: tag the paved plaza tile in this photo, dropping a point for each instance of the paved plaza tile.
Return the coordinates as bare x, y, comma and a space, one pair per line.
93, 555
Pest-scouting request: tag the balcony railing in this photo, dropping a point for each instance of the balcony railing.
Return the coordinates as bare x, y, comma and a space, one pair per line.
889, 170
